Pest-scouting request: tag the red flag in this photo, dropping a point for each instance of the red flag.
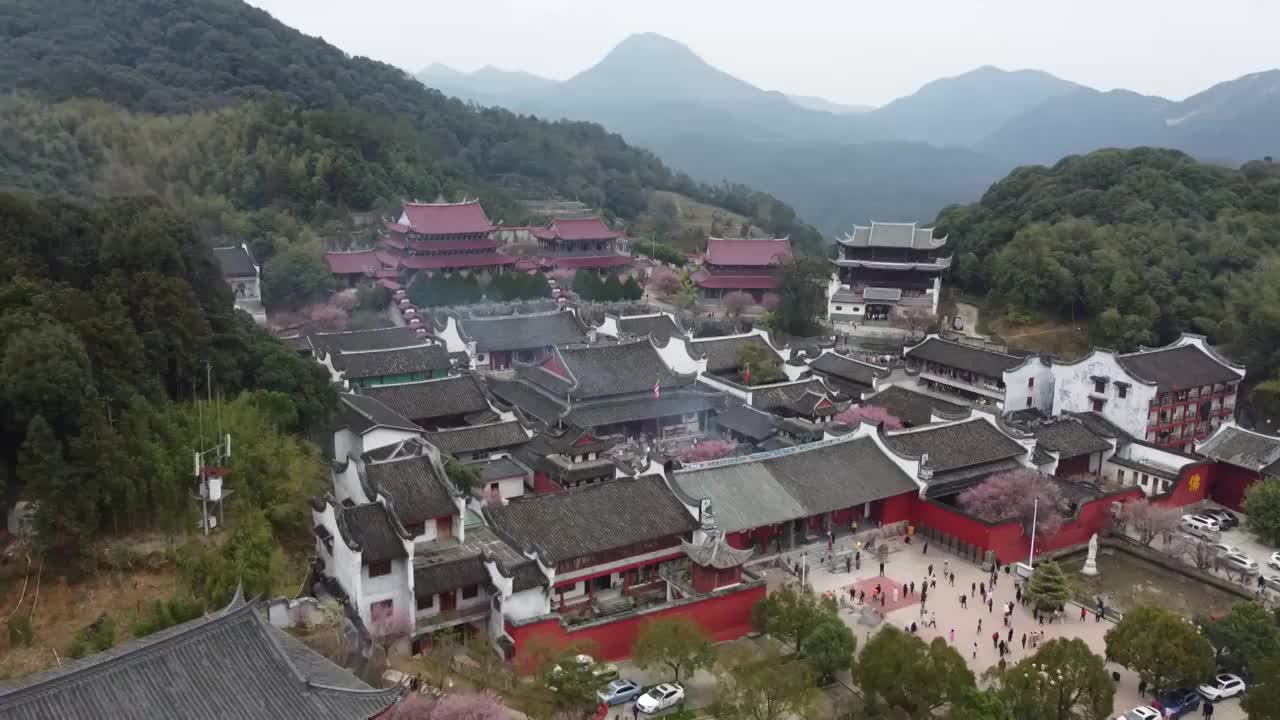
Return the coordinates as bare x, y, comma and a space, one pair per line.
746, 375
657, 388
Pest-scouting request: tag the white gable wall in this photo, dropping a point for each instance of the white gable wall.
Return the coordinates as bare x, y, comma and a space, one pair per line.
1074, 392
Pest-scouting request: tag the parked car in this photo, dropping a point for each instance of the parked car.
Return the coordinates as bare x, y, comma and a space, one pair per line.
605, 672
1226, 519
1145, 712
1239, 563
1224, 549
620, 691
1222, 687
1274, 560
660, 697
1201, 526
1179, 702
1272, 581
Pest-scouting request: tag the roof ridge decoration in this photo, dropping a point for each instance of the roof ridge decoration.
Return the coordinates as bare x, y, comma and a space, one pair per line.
768, 454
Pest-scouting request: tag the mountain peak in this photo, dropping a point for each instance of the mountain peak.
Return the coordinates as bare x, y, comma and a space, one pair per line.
651, 43
649, 65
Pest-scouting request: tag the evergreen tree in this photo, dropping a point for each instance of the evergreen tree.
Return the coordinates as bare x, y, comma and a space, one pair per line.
631, 289
64, 507
611, 289
1049, 587
801, 289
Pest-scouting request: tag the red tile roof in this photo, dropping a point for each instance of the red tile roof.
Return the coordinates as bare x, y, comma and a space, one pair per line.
747, 253
591, 228
442, 262
349, 263
704, 279
396, 227
447, 218
590, 261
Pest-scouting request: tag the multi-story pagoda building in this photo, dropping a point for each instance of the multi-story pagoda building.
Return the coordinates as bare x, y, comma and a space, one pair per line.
444, 237
740, 265
574, 243
885, 266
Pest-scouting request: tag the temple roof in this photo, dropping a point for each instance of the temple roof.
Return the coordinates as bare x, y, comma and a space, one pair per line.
746, 420
716, 553
370, 530
365, 340
1183, 366
351, 263
642, 406
522, 332
592, 519
982, 361
958, 445
629, 366
661, 326
228, 665
769, 488
478, 438
236, 261
893, 235
1234, 445
747, 253
806, 397
414, 481
735, 281
401, 361
360, 414
445, 397
462, 218
1067, 436
588, 228
848, 369
911, 407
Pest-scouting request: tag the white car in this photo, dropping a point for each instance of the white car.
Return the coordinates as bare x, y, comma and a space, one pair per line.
1222, 687
1240, 563
1272, 581
1144, 712
1274, 560
1223, 549
660, 698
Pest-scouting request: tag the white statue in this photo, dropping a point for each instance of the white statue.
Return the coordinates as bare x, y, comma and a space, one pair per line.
1091, 563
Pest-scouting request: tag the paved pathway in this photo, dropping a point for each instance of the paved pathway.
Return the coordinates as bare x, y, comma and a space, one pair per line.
943, 605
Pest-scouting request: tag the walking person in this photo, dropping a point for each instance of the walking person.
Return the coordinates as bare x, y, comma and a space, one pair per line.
1010, 638
995, 639
930, 570
953, 579
973, 588
1083, 611
925, 551
881, 569
933, 583
979, 624
933, 619
990, 603
946, 567
1207, 709
1142, 687
1024, 641
924, 596
953, 636
895, 595
975, 651
964, 602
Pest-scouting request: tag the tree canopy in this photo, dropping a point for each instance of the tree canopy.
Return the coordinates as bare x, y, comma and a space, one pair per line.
676, 642
1049, 587
1064, 680
900, 671
1165, 648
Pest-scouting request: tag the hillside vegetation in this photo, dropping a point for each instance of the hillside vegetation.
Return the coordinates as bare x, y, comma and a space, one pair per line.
1146, 243
186, 59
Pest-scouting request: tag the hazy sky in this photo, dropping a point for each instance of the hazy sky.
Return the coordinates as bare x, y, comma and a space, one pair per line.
850, 51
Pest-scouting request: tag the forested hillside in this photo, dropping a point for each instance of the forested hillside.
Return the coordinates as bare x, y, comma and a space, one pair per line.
173, 57
1145, 242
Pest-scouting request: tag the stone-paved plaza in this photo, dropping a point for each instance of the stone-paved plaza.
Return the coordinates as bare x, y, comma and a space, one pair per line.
908, 563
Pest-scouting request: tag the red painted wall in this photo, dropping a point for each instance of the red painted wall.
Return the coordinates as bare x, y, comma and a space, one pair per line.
1193, 485
725, 617
897, 508
1230, 483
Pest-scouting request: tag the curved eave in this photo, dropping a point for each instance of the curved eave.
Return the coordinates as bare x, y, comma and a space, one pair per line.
940, 265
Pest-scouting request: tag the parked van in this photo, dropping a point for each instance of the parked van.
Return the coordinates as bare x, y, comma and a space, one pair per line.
1200, 526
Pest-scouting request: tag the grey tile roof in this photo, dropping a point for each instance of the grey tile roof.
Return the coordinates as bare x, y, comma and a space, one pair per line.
378, 363
361, 414
747, 421
477, 438
230, 665
716, 554
661, 327
593, 519
722, 352
802, 398
362, 340
499, 468
957, 445
642, 406
846, 368
1101, 426
1178, 367
447, 566
523, 332
630, 366
978, 360
417, 487
816, 478
370, 530
1243, 448
1066, 436
460, 395
235, 261
528, 398
893, 235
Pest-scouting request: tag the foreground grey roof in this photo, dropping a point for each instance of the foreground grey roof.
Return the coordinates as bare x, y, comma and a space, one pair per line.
370, 530
661, 326
1068, 437
769, 488
722, 352
834, 365
229, 665
446, 397
1173, 368
235, 261
966, 357
957, 445
417, 487
911, 407
616, 368
478, 438
1234, 445
523, 332
592, 519
806, 397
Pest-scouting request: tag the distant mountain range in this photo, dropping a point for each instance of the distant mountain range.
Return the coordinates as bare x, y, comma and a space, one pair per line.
838, 164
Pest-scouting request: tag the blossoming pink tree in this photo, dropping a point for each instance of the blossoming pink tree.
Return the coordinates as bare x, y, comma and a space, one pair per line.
707, 450
664, 281
1012, 495
470, 706
872, 414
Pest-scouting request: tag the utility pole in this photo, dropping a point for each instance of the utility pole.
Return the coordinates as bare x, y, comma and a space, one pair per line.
1035, 515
